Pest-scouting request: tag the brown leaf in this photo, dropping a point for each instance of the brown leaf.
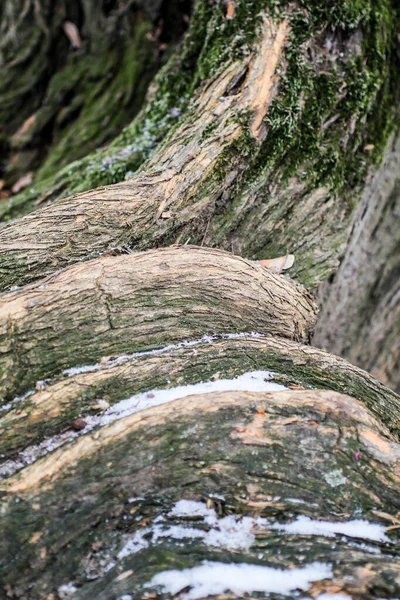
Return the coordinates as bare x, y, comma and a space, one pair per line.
166, 215
386, 516
230, 10
282, 263
72, 33
22, 183
25, 127
369, 147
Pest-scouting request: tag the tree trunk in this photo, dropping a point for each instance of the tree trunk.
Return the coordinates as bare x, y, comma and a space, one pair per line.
58, 87
166, 431
360, 308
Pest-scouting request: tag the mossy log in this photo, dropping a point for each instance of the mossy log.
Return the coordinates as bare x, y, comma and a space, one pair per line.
259, 136
139, 301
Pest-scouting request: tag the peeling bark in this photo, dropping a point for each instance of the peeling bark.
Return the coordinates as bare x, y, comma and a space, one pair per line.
151, 205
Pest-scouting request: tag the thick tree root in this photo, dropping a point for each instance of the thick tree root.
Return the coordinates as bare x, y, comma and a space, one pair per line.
139, 301
31, 427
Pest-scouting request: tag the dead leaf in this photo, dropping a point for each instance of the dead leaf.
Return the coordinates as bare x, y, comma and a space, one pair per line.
369, 147
166, 215
386, 516
72, 33
124, 575
282, 263
2, 183
25, 127
230, 10
22, 182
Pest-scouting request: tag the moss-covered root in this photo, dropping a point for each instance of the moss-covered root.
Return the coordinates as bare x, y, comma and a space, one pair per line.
32, 426
146, 300
104, 517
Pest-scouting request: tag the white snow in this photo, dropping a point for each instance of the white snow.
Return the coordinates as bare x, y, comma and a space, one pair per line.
33, 453
66, 591
357, 528
227, 532
253, 381
185, 344
135, 544
16, 400
190, 508
233, 534
211, 578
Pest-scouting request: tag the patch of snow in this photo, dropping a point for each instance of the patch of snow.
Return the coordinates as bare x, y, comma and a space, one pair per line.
135, 544
185, 344
233, 534
16, 400
66, 591
33, 453
212, 578
358, 528
365, 547
190, 508
178, 532
227, 532
253, 381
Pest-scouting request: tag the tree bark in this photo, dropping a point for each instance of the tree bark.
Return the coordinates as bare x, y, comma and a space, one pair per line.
145, 300
135, 381
359, 319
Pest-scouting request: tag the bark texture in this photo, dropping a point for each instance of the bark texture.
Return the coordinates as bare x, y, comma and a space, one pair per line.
360, 316
139, 301
89, 507
47, 412
275, 456
262, 129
